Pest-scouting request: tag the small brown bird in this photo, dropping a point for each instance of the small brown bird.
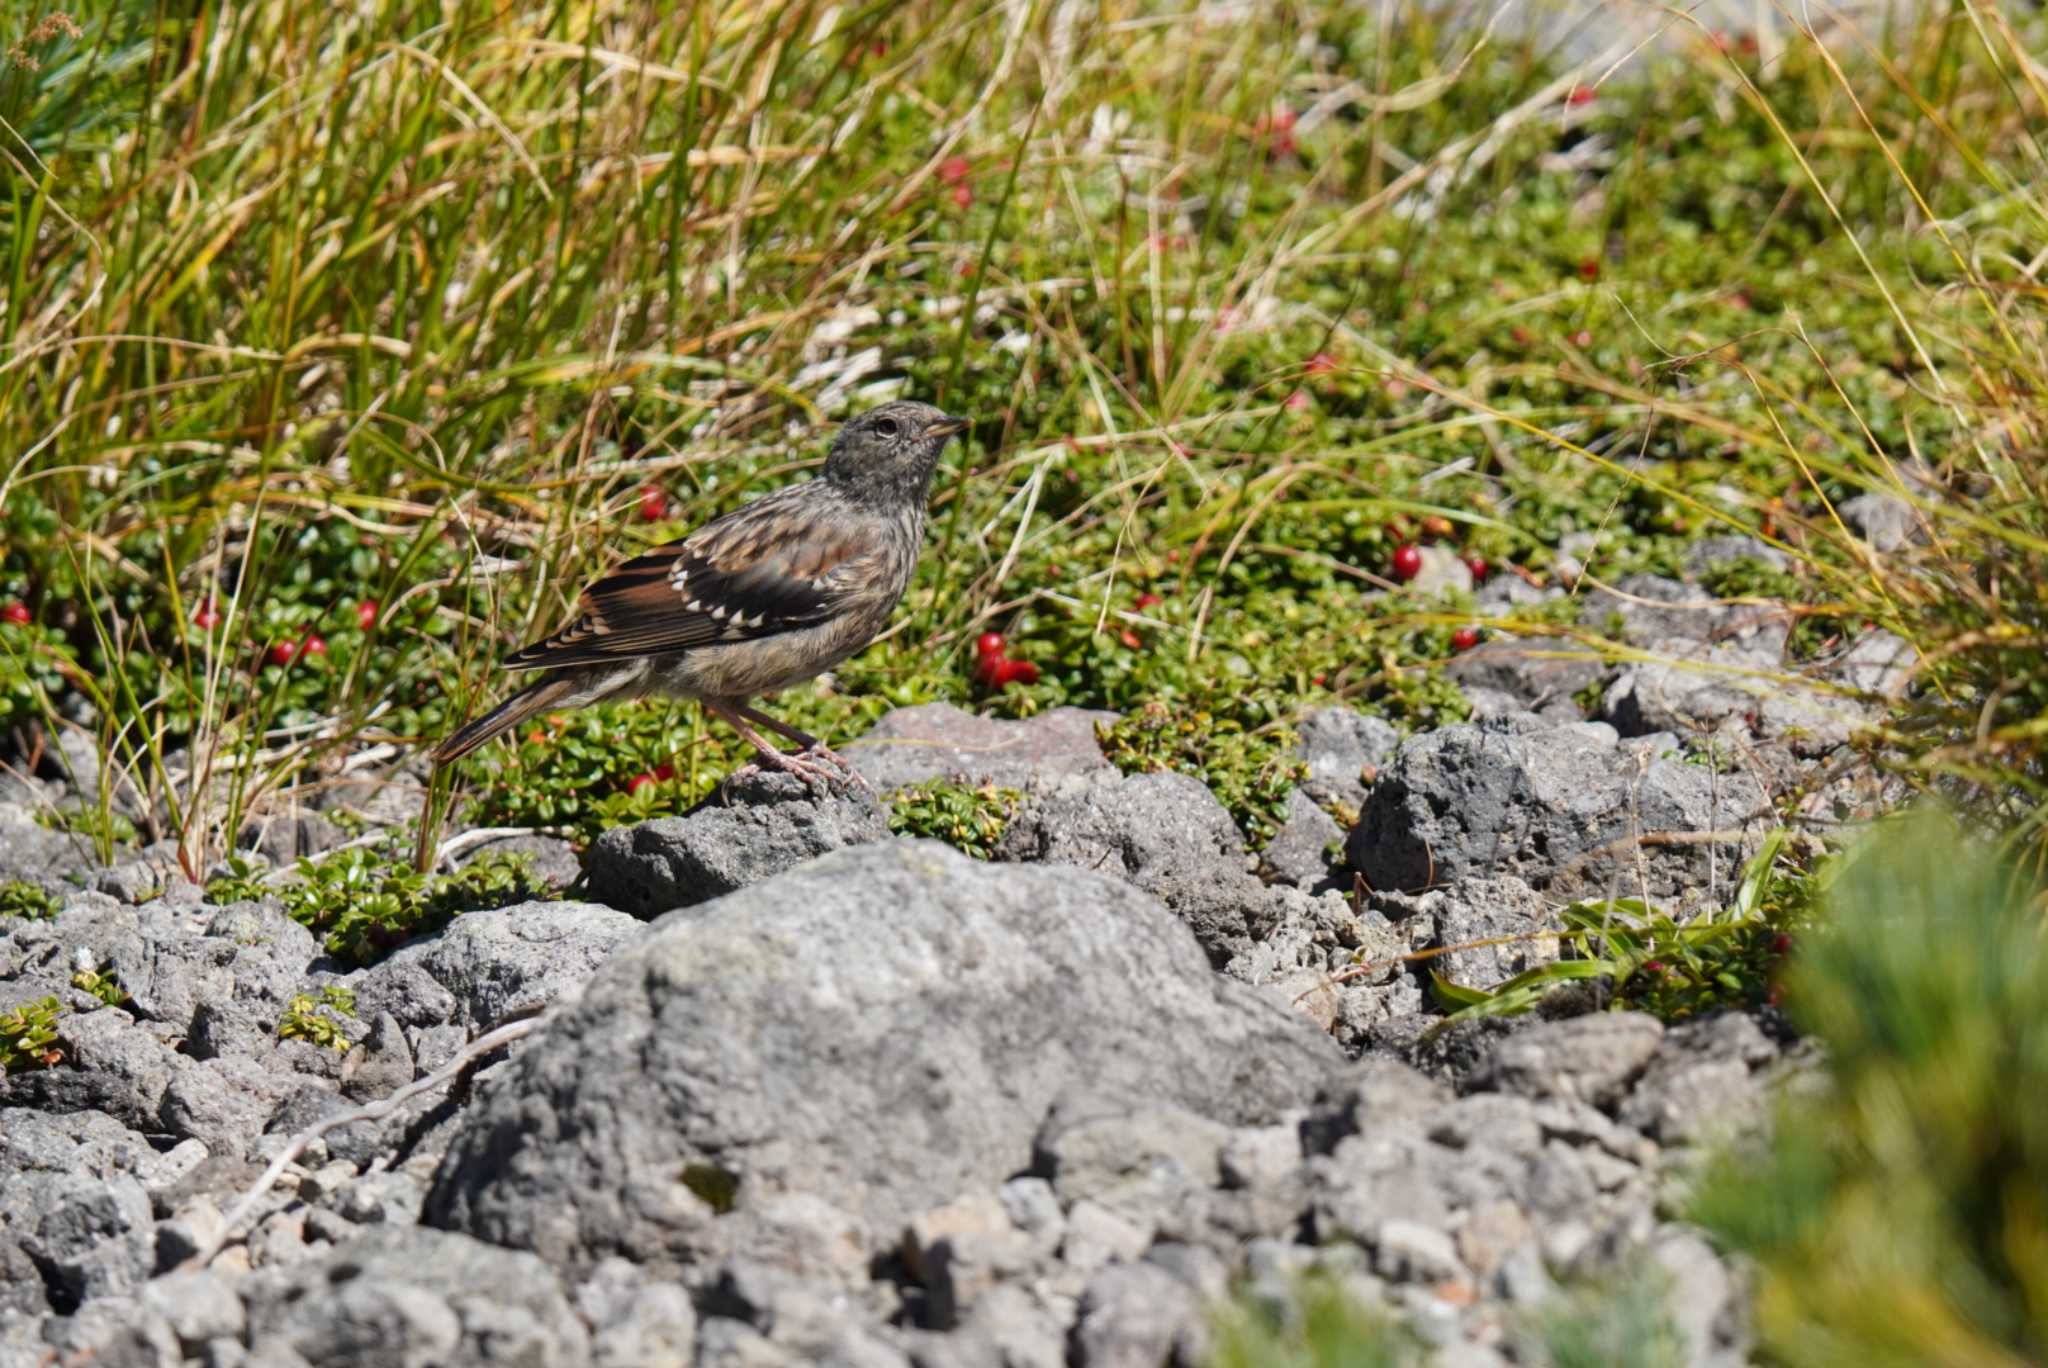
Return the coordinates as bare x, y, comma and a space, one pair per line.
771, 594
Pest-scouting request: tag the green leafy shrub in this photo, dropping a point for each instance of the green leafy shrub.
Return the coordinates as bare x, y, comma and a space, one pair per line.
28, 1036
1317, 1326
969, 820
100, 983
1899, 1217
310, 1017
366, 901
20, 898
1648, 961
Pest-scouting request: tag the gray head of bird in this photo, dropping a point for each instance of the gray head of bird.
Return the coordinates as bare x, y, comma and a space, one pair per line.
890, 451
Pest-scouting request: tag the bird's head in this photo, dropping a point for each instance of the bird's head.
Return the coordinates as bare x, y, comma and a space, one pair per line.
891, 450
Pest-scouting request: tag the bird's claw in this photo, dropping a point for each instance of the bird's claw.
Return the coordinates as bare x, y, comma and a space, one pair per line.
818, 765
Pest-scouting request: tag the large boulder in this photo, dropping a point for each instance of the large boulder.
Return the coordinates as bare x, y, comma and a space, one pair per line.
755, 826
880, 1029
1164, 832
1569, 810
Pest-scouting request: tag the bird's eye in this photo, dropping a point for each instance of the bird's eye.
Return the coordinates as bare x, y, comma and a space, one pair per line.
888, 427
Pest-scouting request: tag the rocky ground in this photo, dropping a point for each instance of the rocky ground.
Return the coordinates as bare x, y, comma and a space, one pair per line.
802, 1091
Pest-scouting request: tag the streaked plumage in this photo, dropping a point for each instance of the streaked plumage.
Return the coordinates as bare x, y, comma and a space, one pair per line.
771, 594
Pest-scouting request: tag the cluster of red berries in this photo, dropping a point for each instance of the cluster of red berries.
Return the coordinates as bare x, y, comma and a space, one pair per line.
1406, 564
993, 666
285, 652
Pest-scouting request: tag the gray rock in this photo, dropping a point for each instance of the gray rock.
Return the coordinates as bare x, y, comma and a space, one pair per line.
113, 1065
1163, 832
1690, 686
912, 746
1137, 1315
1647, 608
635, 1321
1699, 1084
1584, 1059
283, 837
1299, 852
884, 1027
1712, 553
1480, 909
752, 829
1887, 522
198, 1306
1705, 1300
552, 859
1373, 1093
1538, 674
1408, 1251
1344, 751
1566, 810
112, 1332
1008, 1328
1876, 663
1136, 1163
416, 1296
226, 1102
87, 1237
496, 962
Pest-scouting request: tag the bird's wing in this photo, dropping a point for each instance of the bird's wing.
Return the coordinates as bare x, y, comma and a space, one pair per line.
761, 569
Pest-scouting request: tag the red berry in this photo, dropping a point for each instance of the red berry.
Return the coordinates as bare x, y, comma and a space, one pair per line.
638, 782
16, 613
366, 614
283, 652
1581, 95
1127, 636
1781, 944
206, 617
1653, 966
664, 772
314, 645
1322, 363
1589, 270
1436, 527
1148, 600
953, 170
989, 644
1297, 401
1011, 672
653, 504
963, 195
1464, 639
1407, 561
1479, 568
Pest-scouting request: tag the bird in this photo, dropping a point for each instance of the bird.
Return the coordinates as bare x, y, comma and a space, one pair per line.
771, 594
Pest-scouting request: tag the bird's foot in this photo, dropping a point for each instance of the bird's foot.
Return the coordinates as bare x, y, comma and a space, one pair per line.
824, 755
818, 766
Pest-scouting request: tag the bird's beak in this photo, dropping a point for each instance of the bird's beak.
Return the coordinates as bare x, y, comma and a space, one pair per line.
946, 427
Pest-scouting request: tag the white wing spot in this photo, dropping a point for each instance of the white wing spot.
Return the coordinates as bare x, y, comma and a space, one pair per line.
677, 578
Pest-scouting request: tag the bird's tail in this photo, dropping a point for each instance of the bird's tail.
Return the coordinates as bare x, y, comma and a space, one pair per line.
534, 698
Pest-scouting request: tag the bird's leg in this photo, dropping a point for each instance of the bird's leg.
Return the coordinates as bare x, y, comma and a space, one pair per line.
812, 746
801, 766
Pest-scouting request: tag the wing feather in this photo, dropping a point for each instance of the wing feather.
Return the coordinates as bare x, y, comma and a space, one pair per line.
769, 567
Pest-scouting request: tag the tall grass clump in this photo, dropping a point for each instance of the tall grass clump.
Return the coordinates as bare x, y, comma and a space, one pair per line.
1899, 1216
